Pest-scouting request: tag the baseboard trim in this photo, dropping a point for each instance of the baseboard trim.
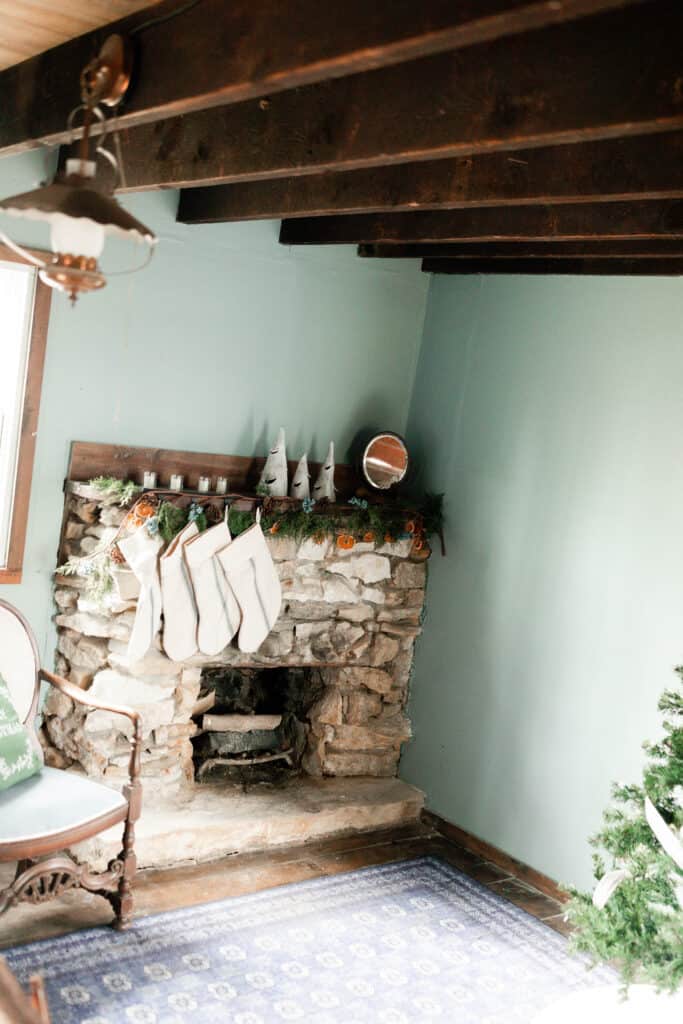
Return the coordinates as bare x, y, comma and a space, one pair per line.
516, 868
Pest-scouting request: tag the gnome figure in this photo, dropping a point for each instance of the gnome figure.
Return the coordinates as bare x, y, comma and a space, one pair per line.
324, 485
300, 487
274, 475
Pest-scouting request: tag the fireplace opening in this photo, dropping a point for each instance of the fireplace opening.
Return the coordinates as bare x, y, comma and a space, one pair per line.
252, 724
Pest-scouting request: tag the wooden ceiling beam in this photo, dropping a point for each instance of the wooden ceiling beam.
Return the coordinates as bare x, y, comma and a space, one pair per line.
611, 170
571, 83
667, 267
195, 56
596, 249
652, 219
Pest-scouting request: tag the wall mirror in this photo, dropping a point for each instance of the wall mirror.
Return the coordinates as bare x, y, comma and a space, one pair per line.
385, 460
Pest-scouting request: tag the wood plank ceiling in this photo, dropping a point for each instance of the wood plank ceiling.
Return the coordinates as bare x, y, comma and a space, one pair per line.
482, 136
28, 27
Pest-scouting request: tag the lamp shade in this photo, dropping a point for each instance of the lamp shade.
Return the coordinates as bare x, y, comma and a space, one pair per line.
80, 217
79, 200
80, 214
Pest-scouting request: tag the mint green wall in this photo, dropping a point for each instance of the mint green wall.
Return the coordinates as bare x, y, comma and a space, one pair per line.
226, 336
550, 411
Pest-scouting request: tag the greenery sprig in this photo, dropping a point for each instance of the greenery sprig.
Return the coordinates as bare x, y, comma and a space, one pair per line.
123, 491
97, 570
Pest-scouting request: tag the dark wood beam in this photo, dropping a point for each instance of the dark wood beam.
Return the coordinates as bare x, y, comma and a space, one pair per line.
596, 249
667, 267
612, 170
616, 75
194, 56
652, 219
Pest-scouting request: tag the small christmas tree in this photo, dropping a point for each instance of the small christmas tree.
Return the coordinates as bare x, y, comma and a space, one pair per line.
635, 917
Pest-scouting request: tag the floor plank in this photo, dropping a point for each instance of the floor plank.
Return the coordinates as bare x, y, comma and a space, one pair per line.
528, 899
172, 888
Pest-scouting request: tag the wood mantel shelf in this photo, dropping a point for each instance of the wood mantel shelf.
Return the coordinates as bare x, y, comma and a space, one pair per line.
91, 459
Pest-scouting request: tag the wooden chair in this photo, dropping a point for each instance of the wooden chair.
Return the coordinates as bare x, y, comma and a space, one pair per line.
43, 816
18, 1008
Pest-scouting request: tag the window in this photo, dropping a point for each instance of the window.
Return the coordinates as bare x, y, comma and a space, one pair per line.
24, 310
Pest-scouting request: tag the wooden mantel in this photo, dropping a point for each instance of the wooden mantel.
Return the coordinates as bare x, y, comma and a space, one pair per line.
90, 459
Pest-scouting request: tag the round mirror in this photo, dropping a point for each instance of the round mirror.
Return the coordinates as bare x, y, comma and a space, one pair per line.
385, 461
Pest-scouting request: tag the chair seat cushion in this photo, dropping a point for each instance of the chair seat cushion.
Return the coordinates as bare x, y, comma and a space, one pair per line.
52, 802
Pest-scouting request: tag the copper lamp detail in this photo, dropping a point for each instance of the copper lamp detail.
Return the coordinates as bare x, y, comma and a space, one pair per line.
80, 212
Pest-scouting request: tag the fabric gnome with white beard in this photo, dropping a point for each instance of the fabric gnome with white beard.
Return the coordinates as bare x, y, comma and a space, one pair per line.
324, 485
274, 473
300, 486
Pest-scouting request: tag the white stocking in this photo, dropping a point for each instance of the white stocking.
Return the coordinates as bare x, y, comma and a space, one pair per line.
250, 572
177, 597
219, 614
141, 551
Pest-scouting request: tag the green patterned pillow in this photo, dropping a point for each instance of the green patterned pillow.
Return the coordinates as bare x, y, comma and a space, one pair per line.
18, 758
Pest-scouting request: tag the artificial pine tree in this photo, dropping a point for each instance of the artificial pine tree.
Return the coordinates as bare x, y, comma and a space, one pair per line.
640, 925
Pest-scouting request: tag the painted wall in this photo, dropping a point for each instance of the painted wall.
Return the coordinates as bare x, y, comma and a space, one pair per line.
550, 411
226, 336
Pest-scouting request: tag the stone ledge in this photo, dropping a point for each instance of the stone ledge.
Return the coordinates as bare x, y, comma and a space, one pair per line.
221, 820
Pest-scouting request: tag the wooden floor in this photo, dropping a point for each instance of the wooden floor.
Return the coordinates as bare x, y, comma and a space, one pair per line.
245, 873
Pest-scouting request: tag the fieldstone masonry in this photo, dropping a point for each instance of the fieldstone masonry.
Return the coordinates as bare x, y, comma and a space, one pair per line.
352, 614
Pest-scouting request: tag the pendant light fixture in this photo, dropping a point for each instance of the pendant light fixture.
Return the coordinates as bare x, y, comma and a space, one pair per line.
80, 211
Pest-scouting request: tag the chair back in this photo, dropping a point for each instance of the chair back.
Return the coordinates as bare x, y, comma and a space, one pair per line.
19, 661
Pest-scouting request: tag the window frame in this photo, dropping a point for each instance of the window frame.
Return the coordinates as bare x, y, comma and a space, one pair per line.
26, 447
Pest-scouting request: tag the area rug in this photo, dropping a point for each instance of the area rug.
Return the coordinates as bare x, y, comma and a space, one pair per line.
395, 944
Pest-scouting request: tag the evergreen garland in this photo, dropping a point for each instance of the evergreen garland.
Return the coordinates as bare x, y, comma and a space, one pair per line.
359, 521
641, 926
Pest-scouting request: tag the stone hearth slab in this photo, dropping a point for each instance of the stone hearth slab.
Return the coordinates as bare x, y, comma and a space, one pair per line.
219, 819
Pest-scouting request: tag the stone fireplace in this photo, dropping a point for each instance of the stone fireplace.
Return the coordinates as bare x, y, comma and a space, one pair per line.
326, 692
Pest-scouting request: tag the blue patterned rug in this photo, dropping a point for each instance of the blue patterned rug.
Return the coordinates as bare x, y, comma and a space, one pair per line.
396, 944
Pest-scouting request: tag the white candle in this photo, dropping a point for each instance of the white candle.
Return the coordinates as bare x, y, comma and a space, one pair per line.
204, 484
221, 485
177, 482
149, 479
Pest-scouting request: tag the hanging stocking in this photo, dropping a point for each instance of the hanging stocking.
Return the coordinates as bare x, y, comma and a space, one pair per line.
250, 572
218, 611
141, 551
177, 598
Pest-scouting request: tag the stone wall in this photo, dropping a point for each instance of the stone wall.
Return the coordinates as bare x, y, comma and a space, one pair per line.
354, 614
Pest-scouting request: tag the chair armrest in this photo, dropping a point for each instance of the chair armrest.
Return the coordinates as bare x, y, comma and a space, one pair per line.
82, 697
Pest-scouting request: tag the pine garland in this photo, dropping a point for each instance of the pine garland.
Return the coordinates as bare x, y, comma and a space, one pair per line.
362, 521
359, 521
641, 926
